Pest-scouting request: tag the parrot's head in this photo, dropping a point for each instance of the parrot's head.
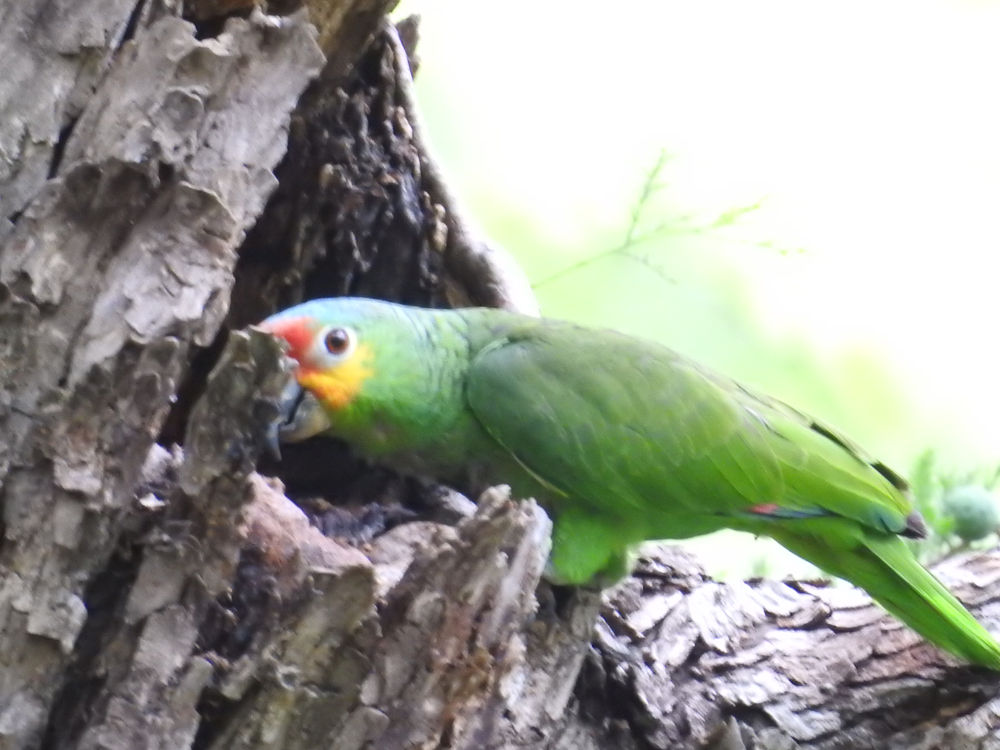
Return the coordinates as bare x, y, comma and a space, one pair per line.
331, 342
351, 357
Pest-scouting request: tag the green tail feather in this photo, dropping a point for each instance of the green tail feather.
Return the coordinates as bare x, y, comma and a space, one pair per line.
885, 567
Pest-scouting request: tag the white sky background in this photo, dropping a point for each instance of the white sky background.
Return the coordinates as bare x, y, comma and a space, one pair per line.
872, 130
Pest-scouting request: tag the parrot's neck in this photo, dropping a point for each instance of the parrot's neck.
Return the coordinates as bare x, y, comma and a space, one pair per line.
416, 420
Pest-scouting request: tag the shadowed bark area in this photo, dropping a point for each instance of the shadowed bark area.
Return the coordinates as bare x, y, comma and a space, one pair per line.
171, 172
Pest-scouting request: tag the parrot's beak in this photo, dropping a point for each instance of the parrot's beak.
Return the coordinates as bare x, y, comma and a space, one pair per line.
299, 417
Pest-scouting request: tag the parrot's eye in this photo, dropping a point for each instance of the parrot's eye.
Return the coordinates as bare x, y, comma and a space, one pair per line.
337, 341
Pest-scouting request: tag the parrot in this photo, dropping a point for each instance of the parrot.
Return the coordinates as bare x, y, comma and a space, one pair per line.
620, 440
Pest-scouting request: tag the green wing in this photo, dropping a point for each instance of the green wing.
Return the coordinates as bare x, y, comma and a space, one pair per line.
633, 430
636, 442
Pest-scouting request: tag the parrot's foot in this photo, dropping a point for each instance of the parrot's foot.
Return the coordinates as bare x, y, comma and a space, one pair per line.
585, 554
617, 568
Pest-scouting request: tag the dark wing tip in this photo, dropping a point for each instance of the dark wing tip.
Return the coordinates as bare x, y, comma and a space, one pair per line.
893, 478
916, 527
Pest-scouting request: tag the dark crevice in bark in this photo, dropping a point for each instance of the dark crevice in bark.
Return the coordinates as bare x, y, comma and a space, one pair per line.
217, 713
237, 617
907, 713
348, 499
754, 717
605, 702
357, 524
210, 28
66, 131
59, 147
209, 16
81, 691
190, 389
232, 623
165, 172
132, 25
350, 215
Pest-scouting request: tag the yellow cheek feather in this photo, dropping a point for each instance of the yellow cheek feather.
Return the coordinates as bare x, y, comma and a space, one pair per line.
337, 386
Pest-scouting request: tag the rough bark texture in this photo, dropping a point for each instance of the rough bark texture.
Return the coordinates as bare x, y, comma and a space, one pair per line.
172, 172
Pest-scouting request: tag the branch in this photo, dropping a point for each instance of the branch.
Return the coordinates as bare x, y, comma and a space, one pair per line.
789, 664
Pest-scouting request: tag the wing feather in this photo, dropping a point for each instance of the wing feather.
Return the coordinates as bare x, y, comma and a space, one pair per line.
613, 421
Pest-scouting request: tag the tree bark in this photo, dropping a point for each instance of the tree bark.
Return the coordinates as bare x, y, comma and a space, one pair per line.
172, 173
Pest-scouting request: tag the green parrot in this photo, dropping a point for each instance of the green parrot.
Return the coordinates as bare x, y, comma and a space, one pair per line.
621, 440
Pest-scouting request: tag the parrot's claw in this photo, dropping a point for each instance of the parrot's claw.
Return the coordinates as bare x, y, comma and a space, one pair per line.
272, 440
554, 578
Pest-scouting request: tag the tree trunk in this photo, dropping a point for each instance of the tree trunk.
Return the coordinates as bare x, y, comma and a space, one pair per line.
171, 174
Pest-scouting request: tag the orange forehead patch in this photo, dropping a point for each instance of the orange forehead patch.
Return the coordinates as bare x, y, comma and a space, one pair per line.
337, 386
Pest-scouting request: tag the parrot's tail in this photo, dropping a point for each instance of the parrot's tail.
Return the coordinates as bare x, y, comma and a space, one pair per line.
885, 567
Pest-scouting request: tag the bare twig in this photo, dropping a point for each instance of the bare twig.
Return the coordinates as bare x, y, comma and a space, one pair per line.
683, 224
650, 187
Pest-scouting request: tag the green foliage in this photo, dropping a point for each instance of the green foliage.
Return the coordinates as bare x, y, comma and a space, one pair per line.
973, 510
960, 508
